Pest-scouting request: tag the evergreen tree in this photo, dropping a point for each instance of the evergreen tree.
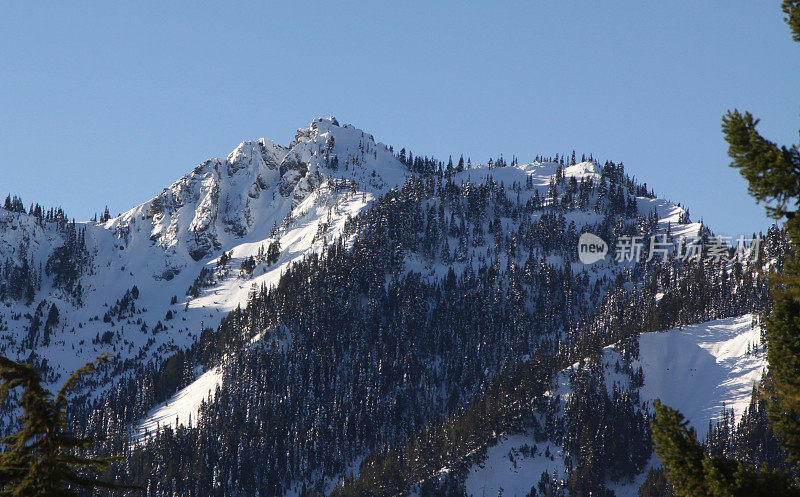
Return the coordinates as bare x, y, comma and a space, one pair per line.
693, 473
773, 174
40, 459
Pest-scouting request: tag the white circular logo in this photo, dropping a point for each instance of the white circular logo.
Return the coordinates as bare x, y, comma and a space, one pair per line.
591, 248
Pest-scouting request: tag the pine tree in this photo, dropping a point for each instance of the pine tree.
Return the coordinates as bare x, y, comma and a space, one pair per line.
773, 174
693, 473
40, 459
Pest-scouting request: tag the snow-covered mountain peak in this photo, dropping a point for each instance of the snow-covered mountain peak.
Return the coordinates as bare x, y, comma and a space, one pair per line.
255, 188
546, 170
319, 126
263, 196
262, 149
238, 222
303, 245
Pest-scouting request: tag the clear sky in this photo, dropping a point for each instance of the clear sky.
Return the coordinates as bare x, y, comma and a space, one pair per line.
101, 103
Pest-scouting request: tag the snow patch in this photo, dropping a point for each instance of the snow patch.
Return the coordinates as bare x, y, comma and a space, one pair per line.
696, 369
182, 408
508, 466
702, 368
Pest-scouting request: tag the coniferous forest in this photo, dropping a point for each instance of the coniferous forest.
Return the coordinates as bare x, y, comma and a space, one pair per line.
329, 315
436, 323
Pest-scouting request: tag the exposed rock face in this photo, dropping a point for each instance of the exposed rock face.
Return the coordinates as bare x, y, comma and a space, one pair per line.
222, 200
261, 193
216, 197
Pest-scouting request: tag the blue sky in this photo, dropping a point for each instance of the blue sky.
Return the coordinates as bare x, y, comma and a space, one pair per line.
109, 104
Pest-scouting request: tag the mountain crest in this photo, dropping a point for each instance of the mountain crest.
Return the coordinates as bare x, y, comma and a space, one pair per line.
255, 187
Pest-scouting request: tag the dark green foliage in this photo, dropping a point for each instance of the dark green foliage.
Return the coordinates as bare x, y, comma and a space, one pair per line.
52, 321
172, 375
679, 450
773, 174
224, 259
14, 204
693, 473
607, 434
41, 459
203, 280
248, 265
32, 339
390, 472
783, 354
42, 215
273, 252
446, 486
18, 281
792, 10
751, 440
123, 308
656, 485
67, 262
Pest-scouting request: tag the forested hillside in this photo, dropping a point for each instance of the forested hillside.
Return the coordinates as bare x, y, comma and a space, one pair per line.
335, 316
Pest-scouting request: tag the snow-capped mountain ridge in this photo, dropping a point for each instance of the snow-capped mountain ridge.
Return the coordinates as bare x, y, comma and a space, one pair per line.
223, 200
167, 272
261, 193
298, 196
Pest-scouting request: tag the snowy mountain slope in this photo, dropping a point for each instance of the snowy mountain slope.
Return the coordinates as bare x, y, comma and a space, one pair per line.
145, 285
698, 369
182, 408
299, 196
514, 465
701, 369
199, 231
541, 175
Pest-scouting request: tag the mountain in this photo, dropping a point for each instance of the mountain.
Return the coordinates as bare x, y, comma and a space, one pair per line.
260, 194
705, 370
282, 315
